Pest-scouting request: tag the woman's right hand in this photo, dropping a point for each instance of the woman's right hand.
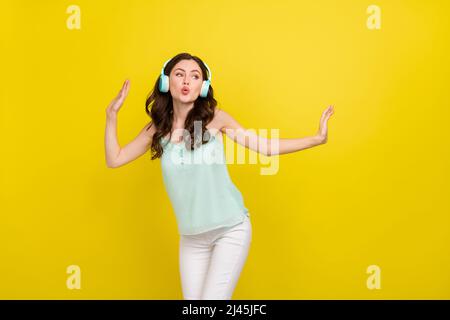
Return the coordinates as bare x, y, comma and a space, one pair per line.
323, 126
117, 102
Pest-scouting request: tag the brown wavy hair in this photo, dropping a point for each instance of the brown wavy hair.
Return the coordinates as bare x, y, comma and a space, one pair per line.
159, 108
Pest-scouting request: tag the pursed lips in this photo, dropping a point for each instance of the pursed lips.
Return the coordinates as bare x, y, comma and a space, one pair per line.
185, 90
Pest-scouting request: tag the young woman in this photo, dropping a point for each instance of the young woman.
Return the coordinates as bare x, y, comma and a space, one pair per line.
213, 222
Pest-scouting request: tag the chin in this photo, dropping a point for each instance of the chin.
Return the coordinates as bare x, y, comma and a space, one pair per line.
187, 98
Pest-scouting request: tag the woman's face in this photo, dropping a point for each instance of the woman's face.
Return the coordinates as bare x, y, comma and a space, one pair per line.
185, 74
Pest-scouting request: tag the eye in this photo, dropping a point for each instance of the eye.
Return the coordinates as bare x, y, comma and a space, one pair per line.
179, 73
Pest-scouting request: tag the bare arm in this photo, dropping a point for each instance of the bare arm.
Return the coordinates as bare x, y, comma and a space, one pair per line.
114, 154
118, 156
274, 146
112, 147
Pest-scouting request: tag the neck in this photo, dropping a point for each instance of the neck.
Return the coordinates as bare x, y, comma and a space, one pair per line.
180, 111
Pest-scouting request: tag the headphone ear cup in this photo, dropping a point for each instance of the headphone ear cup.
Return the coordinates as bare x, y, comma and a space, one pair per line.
163, 83
205, 88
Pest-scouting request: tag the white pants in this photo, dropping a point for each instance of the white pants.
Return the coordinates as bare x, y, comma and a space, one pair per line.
211, 262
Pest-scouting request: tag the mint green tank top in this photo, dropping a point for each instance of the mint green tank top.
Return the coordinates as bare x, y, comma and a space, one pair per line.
200, 189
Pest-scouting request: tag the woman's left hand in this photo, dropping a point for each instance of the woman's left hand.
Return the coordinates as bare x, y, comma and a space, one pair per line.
323, 128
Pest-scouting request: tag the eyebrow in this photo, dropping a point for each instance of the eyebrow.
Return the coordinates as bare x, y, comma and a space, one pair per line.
191, 70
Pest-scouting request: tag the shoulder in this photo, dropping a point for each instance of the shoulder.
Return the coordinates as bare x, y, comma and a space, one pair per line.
224, 120
217, 113
149, 130
216, 122
220, 118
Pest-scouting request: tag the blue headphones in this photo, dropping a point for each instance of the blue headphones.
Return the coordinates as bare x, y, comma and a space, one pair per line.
164, 81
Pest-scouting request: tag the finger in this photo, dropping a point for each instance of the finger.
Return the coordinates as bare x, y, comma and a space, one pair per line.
125, 85
120, 92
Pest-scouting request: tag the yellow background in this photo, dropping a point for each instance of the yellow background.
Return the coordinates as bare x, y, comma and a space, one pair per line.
375, 194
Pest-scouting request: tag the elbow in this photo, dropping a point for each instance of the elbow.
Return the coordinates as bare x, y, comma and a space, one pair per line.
321, 139
111, 164
266, 147
263, 151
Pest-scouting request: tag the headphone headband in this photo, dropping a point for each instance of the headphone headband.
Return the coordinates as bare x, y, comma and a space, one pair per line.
209, 71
